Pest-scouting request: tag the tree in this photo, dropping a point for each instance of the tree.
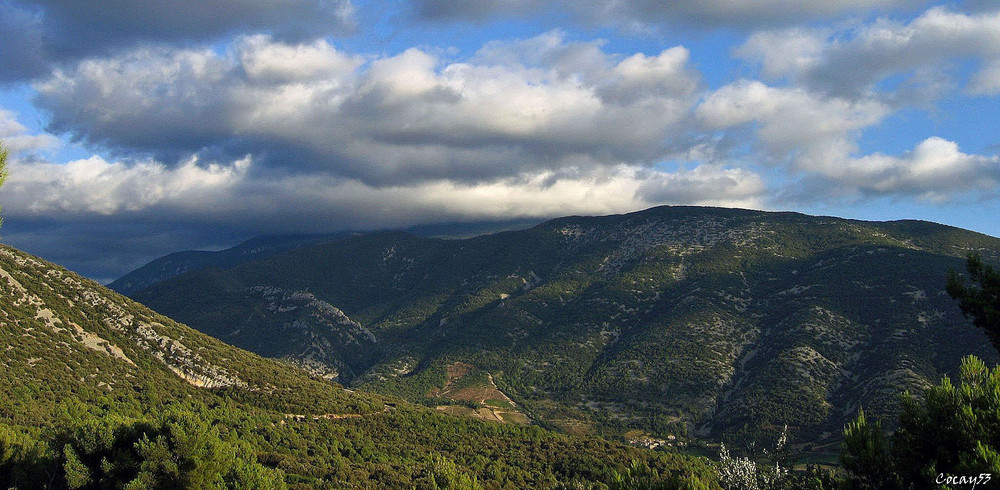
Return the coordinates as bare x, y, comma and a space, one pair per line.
744, 473
954, 430
24, 459
446, 474
181, 450
981, 299
865, 456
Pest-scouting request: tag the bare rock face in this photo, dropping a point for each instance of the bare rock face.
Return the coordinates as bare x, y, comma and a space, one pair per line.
312, 333
60, 317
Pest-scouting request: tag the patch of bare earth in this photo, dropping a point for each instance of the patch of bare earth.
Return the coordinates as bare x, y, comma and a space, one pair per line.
493, 404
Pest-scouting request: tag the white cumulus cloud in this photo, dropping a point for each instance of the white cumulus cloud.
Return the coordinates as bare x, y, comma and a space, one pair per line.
96, 186
383, 120
936, 170
810, 131
853, 61
16, 138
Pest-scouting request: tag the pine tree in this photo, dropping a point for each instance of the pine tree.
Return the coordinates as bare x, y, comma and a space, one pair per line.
981, 299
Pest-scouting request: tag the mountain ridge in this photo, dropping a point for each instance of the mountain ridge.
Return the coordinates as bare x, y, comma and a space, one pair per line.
176, 263
263, 246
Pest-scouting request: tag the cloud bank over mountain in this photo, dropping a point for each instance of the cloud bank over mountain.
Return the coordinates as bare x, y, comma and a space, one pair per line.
244, 118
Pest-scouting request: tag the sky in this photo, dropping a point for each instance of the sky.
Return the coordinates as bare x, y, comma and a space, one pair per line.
137, 129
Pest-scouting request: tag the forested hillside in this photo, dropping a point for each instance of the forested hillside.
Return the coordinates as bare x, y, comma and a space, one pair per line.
675, 323
101, 392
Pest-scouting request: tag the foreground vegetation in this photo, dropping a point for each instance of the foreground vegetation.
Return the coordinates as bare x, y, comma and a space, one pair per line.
950, 435
191, 445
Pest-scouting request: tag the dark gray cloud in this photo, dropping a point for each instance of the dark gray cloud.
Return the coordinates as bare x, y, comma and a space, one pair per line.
105, 250
282, 137
129, 213
978, 5
23, 53
473, 10
153, 100
646, 14
41, 32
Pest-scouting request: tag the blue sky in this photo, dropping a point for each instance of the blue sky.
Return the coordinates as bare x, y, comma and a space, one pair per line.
139, 132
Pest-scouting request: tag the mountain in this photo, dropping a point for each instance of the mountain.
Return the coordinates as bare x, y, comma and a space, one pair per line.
681, 322
179, 262
262, 247
101, 392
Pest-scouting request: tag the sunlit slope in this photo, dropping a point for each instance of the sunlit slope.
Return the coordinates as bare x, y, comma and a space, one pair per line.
64, 334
